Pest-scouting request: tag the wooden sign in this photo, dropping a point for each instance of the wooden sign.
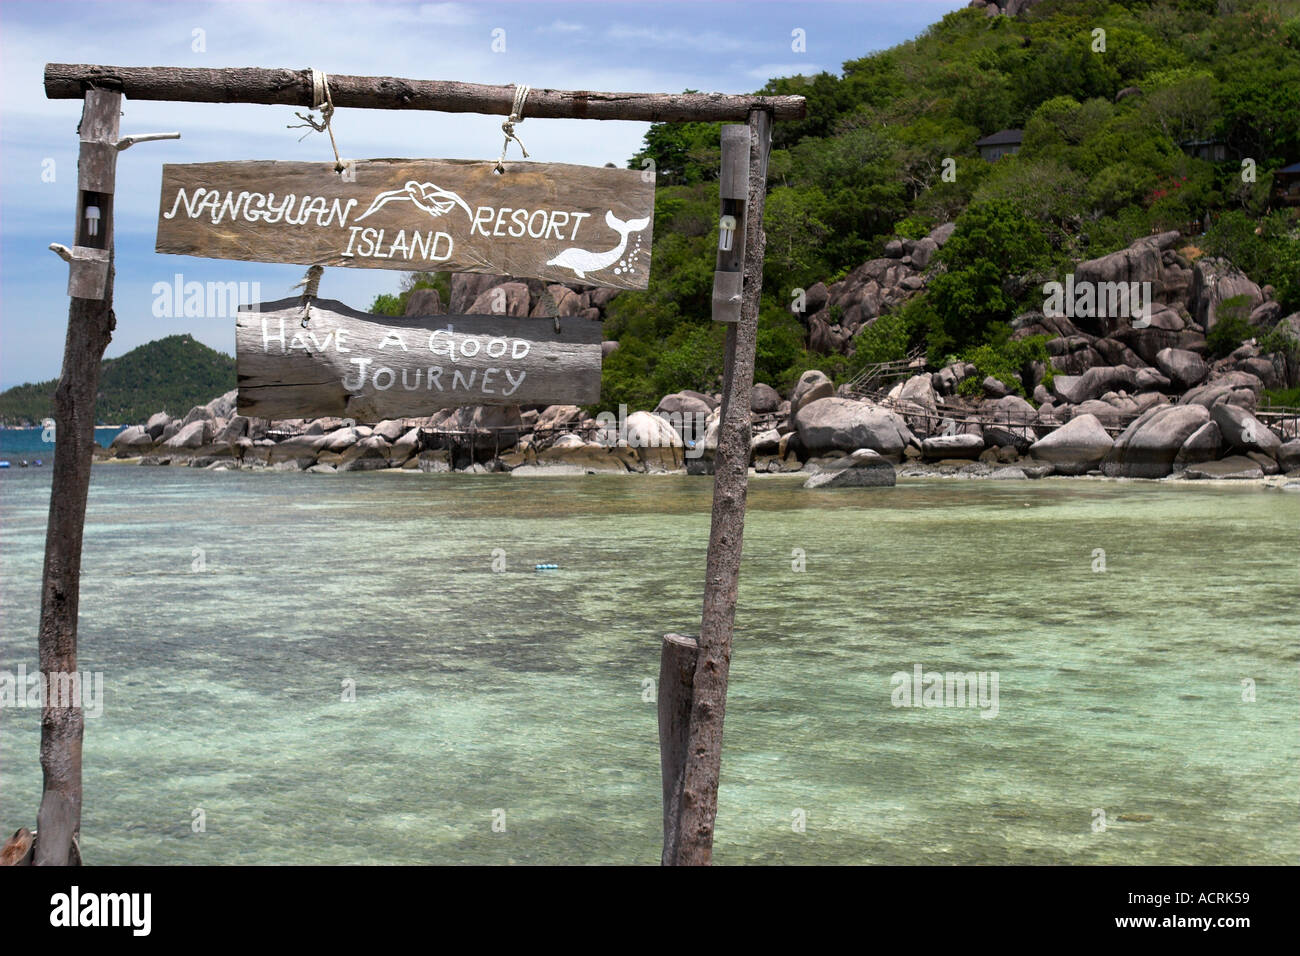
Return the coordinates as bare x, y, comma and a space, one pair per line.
373, 367
563, 223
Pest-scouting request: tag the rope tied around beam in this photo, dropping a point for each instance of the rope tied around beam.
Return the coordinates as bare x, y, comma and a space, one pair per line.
324, 102
310, 284
508, 127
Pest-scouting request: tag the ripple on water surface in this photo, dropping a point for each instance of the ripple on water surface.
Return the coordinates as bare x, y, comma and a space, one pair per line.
523, 691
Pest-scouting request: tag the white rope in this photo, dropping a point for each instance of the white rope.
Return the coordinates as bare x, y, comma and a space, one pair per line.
323, 101
508, 127
319, 84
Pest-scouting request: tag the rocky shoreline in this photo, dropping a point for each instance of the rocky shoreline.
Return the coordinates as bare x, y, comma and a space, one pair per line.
1122, 399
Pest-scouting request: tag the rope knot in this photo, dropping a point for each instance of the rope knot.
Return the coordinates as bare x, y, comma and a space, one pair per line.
508, 127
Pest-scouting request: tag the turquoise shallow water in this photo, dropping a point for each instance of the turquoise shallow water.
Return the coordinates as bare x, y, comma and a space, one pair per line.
37, 443
523, 691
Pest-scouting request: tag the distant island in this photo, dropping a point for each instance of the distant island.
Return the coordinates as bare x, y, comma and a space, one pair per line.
175, 373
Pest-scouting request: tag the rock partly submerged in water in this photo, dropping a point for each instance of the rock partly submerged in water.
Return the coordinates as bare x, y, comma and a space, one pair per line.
863, 469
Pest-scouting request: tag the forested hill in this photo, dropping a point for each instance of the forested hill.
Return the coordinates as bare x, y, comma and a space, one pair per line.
1110, 98
172, 374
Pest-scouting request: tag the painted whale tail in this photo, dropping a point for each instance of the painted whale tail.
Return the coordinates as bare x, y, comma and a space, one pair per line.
623, 228
582, 261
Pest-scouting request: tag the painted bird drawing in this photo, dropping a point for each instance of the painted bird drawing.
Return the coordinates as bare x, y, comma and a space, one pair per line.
582, 261
432, 199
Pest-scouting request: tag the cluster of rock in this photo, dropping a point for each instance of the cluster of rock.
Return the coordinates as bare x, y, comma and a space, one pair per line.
835, 314
1123, 398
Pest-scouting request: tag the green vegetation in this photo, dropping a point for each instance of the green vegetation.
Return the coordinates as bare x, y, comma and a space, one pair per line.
172, 375
1281, 397
876, 155
384, 304
1231, 328
867, 163
1006, 361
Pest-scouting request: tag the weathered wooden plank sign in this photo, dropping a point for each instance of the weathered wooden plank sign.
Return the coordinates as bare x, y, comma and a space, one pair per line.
370, 367
551, 221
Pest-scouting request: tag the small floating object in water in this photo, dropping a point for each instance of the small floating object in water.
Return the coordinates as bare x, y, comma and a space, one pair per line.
546, 567
4, 464
1136, 817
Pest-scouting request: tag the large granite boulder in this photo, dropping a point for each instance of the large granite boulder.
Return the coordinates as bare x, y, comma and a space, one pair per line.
424, 302
841, 424
1148, 447
194, 435
683, 404
1094, 383
1234, 388
569, 453
1204, 444
223, 406
1213, 282
952, 446
1076, 447
657, 444
508, 298
557, 416
1288, 455
863, 469
1243, 432
764, 398
916, 401
811, 387
1185, 369
157, 424
134, 439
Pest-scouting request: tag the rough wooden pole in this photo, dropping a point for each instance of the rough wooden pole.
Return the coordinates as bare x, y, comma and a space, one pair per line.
90, 327
730, 484
677, 660
294, 88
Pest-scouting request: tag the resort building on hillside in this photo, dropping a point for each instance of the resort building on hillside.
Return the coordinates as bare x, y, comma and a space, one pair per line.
1286, 185
999, 144
1210, 150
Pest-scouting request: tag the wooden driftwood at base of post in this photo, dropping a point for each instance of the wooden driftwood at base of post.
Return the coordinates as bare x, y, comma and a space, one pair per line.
699, 806
677, 660
90, 327
17, 850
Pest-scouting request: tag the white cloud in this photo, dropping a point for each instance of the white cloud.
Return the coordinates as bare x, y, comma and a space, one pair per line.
449, 13
563, 26
705, 40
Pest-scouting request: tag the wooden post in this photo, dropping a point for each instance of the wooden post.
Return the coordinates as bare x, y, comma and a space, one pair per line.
90, 327
733, 192
699, 805
677, 660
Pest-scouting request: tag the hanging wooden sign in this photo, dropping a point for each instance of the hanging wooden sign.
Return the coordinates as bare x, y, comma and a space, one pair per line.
373, 367
563, 223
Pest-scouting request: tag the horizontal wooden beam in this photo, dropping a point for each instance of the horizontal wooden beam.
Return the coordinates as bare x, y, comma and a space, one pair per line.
67, 81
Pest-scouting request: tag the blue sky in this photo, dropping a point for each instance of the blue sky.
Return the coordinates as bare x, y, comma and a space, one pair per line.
645, 47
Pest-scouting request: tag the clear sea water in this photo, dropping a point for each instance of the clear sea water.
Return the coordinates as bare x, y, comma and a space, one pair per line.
524, 691
33, 444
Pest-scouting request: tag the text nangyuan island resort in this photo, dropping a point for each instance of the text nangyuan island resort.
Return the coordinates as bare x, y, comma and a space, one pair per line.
747, 434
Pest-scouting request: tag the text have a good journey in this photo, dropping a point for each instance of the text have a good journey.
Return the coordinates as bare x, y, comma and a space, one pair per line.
356, 364
461, 356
